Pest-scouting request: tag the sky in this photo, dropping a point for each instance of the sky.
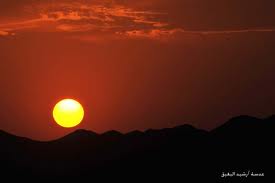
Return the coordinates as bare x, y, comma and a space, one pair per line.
135, 64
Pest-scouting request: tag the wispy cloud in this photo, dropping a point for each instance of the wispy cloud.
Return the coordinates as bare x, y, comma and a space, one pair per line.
164, 33
151, 34
114, 19
4, 33
75, 17
232, 31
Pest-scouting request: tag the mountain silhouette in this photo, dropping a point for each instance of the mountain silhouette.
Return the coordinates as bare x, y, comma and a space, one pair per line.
78, 135
241, 144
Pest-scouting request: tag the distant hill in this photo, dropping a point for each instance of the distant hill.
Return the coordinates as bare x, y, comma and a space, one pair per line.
241, 144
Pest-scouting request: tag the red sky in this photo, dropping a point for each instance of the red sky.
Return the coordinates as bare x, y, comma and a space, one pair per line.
135, 64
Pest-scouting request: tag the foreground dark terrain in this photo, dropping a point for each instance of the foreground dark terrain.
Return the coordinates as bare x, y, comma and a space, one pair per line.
243, 144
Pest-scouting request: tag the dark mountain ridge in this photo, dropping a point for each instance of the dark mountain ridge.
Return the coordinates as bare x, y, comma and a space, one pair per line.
242, 143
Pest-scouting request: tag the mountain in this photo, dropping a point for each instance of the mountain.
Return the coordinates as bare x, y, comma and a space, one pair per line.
77, 136
112, 135
246, 128
241, 144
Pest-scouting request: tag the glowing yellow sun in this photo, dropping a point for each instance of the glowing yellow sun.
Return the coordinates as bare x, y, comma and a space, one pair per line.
68, 113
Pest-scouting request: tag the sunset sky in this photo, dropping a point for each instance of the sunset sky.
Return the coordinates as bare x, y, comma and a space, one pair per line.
135, 64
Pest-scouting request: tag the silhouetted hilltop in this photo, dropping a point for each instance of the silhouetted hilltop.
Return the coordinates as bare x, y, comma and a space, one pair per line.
6, 138
79, 135
4, 135
246, 128
135, 133
241, 126
242, 143
112, 134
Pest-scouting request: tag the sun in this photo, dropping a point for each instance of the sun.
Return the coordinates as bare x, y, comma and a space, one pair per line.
68, 113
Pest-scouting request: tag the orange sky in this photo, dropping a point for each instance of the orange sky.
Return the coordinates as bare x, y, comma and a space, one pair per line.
135, 64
